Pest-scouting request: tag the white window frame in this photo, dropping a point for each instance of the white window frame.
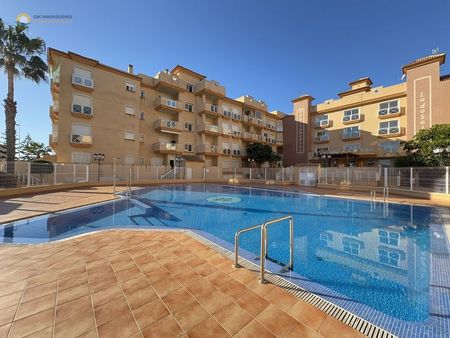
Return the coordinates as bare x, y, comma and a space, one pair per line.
388, 126
352, 147
132, 107
322, 149
187, 146
189, 87
187, 105
130, 87
188, 123
351, 130
82, 106
129, 132
78, 153
389, 107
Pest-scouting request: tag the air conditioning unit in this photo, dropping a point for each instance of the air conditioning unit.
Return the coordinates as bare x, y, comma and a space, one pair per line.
76, 108
393, 110
346, 118
324, 122
383, 131
355, 117
76, 138
229, 151
394, 130
238, 152
382, 112
213, 149
173, 124
225, 151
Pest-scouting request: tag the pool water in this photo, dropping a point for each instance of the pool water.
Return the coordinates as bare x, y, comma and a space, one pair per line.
355, 253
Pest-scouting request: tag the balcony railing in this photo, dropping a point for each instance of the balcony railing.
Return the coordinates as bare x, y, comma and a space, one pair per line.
323, 138
77, 139
164, 147
167, 104
322, 124
386, 113
209, 128
169, 126
208, 149
83, 83
387, 132
165, 79
212, 87
353, 118
210, 109
350, 135
227, 131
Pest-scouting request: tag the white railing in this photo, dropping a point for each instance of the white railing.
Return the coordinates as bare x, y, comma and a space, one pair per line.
26, 174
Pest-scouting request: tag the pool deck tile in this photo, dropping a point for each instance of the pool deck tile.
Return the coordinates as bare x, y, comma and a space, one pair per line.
125, 283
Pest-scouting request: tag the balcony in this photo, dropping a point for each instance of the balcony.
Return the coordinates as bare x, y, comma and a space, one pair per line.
270, 125
322, 139
246, 136
279, 140
167, 105
209, 129
165, 80
236, 134
167, 126
247, 119
354, 118
323, 124
227, 132
167, 148
388, 113
236, 152
82, 83
390, 132
210, 109
226, 151
208, 149
53, 113
259, 123
82, 111
53, 140
81, 140
209, 87
227, 114
236, 117
350, 135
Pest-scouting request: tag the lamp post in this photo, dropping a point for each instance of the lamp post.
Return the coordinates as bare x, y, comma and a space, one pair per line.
99, 157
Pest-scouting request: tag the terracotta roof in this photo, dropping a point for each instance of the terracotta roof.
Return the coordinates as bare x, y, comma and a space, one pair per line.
187, 70
423, 61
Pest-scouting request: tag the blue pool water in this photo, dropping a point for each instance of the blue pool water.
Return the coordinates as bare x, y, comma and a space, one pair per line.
360, 255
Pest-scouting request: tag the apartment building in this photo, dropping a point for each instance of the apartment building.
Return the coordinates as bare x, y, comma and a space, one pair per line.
174, 116
366, 124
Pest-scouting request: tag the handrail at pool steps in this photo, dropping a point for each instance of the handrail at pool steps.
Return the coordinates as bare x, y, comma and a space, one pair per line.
263, 254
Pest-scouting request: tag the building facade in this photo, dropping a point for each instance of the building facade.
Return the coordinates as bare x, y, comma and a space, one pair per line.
365, 125
177, 115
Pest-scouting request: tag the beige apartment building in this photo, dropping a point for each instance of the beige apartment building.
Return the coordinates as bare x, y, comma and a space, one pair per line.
365, 125
177, 115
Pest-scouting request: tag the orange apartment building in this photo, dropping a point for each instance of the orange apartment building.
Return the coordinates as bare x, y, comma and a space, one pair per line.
141, 119
365, 125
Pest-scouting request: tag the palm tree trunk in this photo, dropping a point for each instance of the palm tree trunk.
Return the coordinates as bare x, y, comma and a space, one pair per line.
10, 119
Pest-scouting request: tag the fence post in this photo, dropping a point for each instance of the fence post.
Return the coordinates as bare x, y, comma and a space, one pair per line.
234, 173
282, 175
265, 173
292, 172
446, 180
204, 173
87, 172
385, 177
28, 174
137, 172
74, 173
348, 175
157, 173
411, 177
250, 174
54, 173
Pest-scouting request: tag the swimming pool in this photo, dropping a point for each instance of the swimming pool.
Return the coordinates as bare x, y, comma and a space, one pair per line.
387, 263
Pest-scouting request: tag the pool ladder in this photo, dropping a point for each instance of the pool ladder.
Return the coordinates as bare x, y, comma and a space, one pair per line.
263, 254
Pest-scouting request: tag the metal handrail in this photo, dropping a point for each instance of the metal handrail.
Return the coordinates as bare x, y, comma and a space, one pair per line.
263, 253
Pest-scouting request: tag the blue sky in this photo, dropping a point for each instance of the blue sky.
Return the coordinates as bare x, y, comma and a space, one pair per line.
271, 49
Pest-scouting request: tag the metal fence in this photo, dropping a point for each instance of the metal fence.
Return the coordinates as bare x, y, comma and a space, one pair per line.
27, 174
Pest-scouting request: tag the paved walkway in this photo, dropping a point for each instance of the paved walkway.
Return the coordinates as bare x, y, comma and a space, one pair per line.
34, 205
145, 284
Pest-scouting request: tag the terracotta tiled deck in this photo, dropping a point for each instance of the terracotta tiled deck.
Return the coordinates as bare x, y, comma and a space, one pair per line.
145, 284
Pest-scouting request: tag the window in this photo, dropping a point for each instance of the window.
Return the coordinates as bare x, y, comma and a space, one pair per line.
323, 135
128, 159
389, 237
81, 104
258, 114
351, 115
188, 147
142, 94
130, 87
350, 132
129, 110
82, 77
188, 126
321, 120
141, 115
325, 237
390, 107
141, 138
322, 150
352, 147
351, 246
189, 87
389, 257
189, 107
129, 135
81, 129
80, 157
390, 146
389, 127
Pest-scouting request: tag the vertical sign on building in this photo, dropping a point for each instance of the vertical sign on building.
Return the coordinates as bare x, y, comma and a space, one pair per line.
300, 131
422, 103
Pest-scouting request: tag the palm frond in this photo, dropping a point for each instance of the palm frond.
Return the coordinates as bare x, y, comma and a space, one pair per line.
35, 69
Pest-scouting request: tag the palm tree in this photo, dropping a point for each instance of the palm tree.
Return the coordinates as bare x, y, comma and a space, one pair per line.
19, 56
